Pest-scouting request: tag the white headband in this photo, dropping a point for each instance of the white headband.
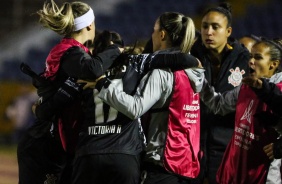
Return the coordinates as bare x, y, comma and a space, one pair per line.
84, 20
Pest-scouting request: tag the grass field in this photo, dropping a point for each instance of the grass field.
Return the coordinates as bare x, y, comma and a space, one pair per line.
8, 165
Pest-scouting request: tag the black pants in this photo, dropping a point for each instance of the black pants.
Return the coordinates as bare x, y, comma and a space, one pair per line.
106, 169
219, 138
153, 174
42, 160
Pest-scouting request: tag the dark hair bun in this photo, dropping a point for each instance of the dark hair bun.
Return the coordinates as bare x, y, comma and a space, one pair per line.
226, 6
103, 40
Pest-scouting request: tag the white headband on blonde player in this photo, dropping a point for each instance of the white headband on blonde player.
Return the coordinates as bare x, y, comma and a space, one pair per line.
84, 20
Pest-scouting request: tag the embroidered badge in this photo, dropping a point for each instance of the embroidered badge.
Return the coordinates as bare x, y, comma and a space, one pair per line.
51, 179
236, 76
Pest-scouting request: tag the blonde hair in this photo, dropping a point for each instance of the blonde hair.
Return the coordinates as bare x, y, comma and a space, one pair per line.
61, 19
180, 28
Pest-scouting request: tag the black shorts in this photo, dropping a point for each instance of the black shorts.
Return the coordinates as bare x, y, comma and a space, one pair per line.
40, 159
107, 169
154, 174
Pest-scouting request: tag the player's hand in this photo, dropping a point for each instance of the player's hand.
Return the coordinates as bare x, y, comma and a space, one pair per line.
268, 149
88, 83
252, 81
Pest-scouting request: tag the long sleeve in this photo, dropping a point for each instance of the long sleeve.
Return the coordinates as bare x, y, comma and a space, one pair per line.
277, 149
271, 95
176, 61
149, 92
77, 63
219, 103
65, 95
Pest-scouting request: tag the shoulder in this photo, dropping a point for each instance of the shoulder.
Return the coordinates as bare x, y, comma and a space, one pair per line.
239, 54
161, 72
75, 51
276, 78
198, 49
238, 47
161, 76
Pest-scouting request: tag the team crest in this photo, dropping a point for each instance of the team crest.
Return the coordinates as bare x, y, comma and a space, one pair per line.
236, 76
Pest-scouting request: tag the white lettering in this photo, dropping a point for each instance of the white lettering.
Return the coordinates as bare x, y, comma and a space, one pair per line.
118, 129
101, 130
191, 115
238, 137
193, 121
244, 132
237, 143
244, 126
191, 107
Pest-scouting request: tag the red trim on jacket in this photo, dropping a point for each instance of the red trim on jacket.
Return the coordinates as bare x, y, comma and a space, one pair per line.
54, 57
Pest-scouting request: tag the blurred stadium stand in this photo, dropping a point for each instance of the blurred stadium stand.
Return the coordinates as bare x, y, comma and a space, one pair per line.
23, 40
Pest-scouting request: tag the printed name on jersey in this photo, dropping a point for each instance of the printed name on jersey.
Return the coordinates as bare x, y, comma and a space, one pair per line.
236, 76
107, 129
